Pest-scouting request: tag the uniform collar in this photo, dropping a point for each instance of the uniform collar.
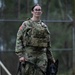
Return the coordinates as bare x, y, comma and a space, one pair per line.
36, 21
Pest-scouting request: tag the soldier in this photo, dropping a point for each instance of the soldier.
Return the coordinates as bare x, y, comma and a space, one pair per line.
33, 42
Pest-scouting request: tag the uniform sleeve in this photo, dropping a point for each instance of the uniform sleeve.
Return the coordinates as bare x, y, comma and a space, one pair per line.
19, 41
49, 52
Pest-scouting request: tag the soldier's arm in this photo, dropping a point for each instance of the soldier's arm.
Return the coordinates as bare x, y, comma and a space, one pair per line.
49, 52
50, 55
19, 41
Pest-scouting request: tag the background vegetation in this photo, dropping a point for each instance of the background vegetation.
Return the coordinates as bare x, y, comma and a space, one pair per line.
57, 14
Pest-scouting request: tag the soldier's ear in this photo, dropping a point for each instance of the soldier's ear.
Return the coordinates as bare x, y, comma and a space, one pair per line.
31, 12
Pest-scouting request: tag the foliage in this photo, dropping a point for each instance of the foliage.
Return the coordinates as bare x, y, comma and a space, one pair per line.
61, 32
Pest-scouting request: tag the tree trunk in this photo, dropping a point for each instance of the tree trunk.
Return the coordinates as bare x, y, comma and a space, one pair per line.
18, 8
73, 37
47, 8
61, 9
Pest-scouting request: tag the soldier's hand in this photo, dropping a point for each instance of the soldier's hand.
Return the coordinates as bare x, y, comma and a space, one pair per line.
22, 59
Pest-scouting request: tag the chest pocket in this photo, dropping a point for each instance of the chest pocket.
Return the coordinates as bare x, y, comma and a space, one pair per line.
39, 31
38, 35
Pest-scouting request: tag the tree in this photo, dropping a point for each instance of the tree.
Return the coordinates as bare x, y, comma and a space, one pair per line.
74, 37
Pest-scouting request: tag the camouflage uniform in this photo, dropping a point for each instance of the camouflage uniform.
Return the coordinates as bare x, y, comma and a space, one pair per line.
33, 40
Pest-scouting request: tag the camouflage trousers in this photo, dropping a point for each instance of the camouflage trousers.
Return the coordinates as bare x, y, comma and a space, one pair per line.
38, 57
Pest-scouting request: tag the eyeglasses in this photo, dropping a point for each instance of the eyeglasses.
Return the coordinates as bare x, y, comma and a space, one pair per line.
37, 9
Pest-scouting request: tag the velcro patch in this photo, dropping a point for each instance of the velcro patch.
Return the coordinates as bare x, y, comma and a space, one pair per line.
21, 27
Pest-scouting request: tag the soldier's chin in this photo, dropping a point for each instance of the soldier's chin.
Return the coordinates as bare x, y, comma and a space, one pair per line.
37, 15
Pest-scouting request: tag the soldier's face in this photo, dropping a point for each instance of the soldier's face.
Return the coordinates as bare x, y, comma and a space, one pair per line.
37, 11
